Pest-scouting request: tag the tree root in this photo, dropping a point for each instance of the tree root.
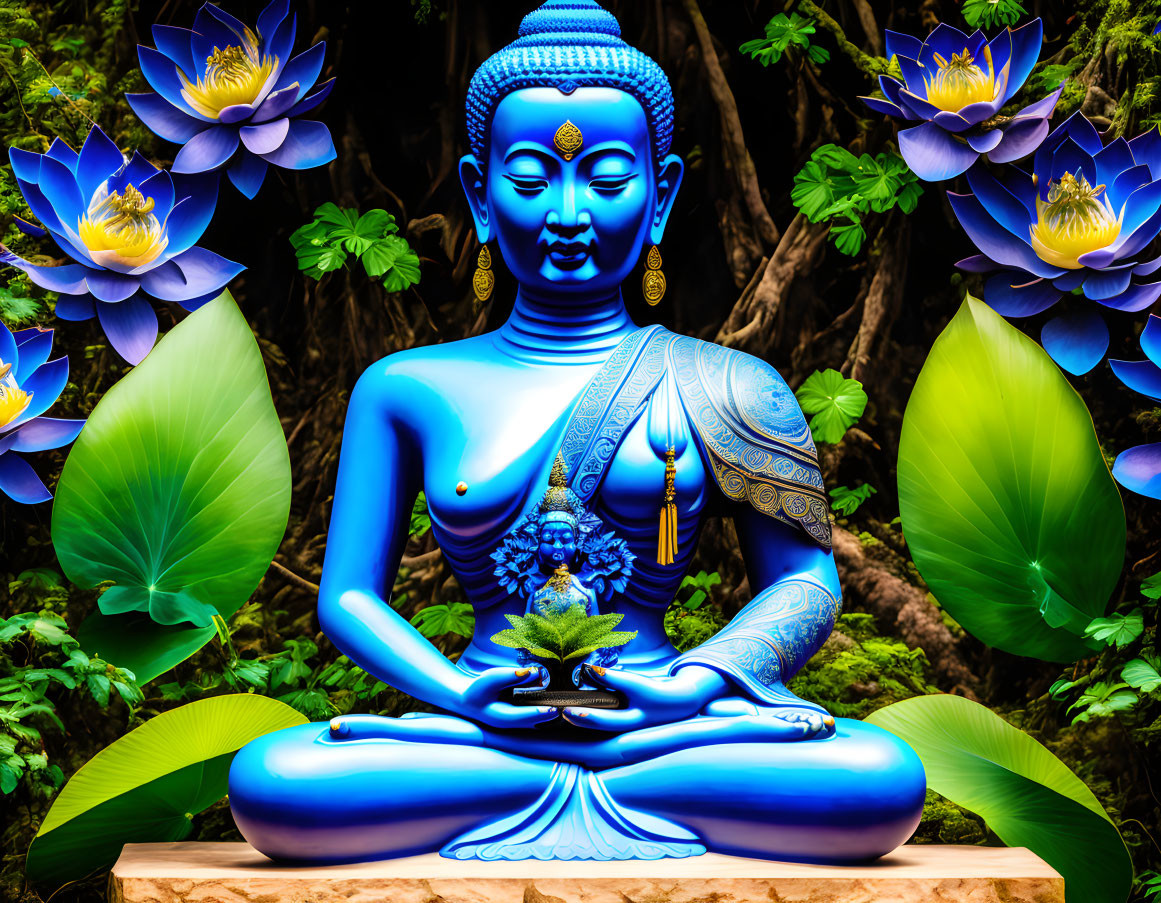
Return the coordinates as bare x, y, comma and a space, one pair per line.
882, 304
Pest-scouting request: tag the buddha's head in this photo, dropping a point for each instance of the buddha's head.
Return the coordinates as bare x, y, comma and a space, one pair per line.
557, 537
570, 171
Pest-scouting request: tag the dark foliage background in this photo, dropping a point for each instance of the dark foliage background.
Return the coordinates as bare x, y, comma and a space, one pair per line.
742, 269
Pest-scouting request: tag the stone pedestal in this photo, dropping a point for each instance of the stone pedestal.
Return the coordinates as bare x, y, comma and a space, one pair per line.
236, 873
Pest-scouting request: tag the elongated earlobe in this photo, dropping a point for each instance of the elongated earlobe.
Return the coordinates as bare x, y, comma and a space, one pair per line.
669, 175
475, 183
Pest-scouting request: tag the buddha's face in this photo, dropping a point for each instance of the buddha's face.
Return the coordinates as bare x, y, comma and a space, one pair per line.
557, 543
570, 218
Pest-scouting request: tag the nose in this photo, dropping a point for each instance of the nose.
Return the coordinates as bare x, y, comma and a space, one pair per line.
568, 223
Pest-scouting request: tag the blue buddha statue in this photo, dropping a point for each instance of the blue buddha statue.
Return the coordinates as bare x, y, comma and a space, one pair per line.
571, 178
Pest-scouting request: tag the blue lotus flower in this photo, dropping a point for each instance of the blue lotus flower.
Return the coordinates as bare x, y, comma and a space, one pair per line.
131, 229
956, 85
225, 92
28, 387
1139, 469
1077, 223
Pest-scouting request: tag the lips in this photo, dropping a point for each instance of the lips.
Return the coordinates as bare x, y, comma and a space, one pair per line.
569, 255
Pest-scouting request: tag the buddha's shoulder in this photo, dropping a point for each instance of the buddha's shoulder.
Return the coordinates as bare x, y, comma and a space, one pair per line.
426, 365
744, 388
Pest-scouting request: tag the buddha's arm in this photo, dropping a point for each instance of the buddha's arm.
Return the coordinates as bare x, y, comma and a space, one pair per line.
796, 599
378, 480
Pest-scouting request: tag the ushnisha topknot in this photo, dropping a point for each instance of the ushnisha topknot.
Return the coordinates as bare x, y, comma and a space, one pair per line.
568, 44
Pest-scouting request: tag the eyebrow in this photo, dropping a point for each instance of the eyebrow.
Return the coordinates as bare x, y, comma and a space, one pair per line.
619, 146
528, 147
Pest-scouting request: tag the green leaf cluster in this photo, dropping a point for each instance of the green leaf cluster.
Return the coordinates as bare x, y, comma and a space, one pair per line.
786, 34
992, 13
436, 620
52, 663
695, 589
563, 636
837, 187
323, 245
846, 501
834, 402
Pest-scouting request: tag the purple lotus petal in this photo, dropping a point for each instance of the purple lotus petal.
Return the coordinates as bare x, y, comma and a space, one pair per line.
277, 103
1011, 294
175, 44
984, 141
236, 113
922, 108
136, 171
1040, 109
1026, 43
60, 188
62, 153
75, 307
1003, 206
1108, 283
45, 433
190, 274
977, 263
20, 483
952, 122
1139, 470
1148, 267
1076, 341
271, 17
282, 41
163, 118
193, 304
1079, 129
880, 106
1139, 208
9, 353
40, 206
1140, 376
308, 144
69, 278
1129, 246
994, 240
191, 216
131, 327
304, 69
899, 44
1070, 157
975, 113
1113, 160
159, 186
44, 385
1135, 298
112, 287
1019, 140
235, 26
210, 32
933, 154
1146, 149
1098, 259
99, 159
29, 228
946, 40
265, 138
1151, 339
25, 164
207, 150
247, 173
1000, 48
1125, 183
32, 352
312, 100
1070, 279
161, 73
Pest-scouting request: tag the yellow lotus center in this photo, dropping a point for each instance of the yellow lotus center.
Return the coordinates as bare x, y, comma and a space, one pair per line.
960, 81
120, 229
234, 75
13, 400
1074, 220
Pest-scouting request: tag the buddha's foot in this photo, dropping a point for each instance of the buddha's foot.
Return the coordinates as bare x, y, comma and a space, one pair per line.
575, 818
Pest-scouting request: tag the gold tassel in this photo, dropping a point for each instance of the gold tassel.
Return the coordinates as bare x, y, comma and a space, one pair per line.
667, 523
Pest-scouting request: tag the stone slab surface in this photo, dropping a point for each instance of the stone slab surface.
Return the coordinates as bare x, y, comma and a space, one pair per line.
191, 872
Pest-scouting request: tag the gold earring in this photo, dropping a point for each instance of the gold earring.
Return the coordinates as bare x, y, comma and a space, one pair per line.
483, 280
653, 282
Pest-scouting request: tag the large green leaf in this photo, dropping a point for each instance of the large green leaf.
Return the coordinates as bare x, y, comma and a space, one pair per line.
1008, 506
1025, 794
178, 493
147, 786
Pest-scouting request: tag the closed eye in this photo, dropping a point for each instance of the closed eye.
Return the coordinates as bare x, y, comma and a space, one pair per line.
527, 184
612, 185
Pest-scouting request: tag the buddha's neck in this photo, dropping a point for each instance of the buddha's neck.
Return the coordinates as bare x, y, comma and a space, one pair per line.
564, 329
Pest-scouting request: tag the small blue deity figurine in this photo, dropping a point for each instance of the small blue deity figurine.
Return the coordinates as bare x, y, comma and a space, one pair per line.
571, 178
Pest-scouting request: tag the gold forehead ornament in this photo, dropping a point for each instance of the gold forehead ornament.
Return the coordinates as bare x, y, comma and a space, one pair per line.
568, 140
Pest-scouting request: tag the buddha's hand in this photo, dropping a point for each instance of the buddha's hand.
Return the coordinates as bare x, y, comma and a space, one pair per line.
651, 700
481, 698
